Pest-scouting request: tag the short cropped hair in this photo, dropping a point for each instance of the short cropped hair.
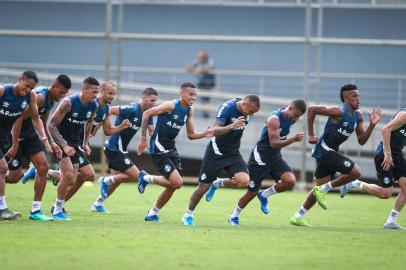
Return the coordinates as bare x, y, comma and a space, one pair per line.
299, 104
347, 87
253, 99
89, 81
64, 80
187, 84
29, 74
104, 84
149, 91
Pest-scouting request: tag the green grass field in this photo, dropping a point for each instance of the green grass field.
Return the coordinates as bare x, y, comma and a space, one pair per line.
348, 235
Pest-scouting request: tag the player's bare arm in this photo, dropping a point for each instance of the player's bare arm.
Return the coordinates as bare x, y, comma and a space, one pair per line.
165, 107
374, 116
56, 119
335, 113
275, 141
190, 128
398, 121
220, 129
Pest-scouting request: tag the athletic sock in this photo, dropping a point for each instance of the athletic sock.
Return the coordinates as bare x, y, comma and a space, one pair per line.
392, 216
189, 212
149, 178
268, 192
36, 206
153, 211
99, 201
357, 184
236, 212
58, 206
301, 212
3, 204
218, 183
326, 187
109, 180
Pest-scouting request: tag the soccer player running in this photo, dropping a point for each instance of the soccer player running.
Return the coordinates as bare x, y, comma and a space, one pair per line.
73, 113
172, 116
116, 146
108, 91
266, 159
341, 123
390, 166
30, 145
13, 101
223, 152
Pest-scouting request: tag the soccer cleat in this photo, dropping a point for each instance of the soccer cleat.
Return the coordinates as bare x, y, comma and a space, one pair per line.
393, 226
142, 183
320, 197
30, 173
104, 188
7, 214
152, 218
187, 220
299, 222
210, 193
234, 221
264, 203
98, 209
39, 216
61, 217
344, 189
63, 210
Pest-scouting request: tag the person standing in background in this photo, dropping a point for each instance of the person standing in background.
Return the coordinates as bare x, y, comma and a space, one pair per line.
203, 67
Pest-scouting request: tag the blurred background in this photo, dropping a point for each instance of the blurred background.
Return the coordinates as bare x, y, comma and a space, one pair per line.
278, 49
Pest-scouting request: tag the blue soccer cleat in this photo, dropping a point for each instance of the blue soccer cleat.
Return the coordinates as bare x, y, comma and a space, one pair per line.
98, 208
61, 217
264, 203
142, 183
234, 221
104, 188
30, 173
63, 210
210, 193
187, 220
152, 218
393, 226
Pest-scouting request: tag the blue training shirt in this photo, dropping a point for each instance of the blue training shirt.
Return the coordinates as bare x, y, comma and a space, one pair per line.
229, 143
263, 151
167, 128
336, 133
75, 120
119, 142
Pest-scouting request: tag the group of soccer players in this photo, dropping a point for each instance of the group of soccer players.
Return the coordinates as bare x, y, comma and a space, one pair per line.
26, 132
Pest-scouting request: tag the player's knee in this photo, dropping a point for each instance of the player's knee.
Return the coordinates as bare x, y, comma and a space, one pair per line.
89, 176
13, 179
42, 169
290, 183
3, 167
177, 184
242, 181
385, 193
355, 173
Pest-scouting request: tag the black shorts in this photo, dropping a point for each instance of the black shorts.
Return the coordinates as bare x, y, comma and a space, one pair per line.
118, 161
387, 178
166, 163
5, 142
26, 148
331, 162
258, 173
212, 165
78, 157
